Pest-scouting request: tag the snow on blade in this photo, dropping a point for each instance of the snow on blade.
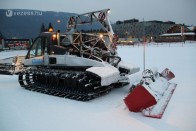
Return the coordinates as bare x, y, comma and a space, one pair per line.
152, 93
157, 110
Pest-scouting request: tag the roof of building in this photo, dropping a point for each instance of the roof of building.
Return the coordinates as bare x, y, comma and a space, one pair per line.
178, 34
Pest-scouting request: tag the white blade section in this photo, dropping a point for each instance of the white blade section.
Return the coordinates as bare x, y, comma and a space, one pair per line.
157, 110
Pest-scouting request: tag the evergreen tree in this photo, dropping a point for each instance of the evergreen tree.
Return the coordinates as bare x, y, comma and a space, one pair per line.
50, 28
42, 29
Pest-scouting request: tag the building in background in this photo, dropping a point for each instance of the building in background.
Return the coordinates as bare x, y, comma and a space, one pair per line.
133, 30
17, 44
1, 41
178, 33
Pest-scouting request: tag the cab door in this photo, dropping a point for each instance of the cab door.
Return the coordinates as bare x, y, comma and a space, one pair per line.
35, 55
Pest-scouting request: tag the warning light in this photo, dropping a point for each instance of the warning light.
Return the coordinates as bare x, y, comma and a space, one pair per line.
50, 29
54, 36
108, 11
58, 21
101, 35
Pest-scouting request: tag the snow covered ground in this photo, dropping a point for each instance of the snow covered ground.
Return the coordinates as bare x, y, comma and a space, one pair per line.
23, 110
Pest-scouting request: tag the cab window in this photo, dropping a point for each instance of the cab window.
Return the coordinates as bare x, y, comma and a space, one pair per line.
38, 48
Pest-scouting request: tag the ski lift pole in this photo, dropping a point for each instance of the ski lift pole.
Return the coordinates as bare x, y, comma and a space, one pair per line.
144, 52
144, 41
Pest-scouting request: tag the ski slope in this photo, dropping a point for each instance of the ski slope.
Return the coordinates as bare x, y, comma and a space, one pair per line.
23, 110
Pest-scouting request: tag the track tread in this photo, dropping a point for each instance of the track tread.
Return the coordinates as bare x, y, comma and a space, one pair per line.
77, 85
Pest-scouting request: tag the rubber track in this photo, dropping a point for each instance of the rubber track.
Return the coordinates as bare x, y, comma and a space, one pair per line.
77, 85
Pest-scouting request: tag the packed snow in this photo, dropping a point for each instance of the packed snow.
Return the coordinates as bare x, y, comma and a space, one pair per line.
23, 110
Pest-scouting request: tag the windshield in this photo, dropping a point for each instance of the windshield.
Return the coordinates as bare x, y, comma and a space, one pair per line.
38, 47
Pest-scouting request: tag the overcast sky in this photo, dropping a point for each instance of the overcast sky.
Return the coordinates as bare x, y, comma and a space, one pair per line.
179, 11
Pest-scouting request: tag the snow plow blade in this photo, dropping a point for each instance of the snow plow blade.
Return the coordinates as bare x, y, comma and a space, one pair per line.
151, 94
139, 99
157, 110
